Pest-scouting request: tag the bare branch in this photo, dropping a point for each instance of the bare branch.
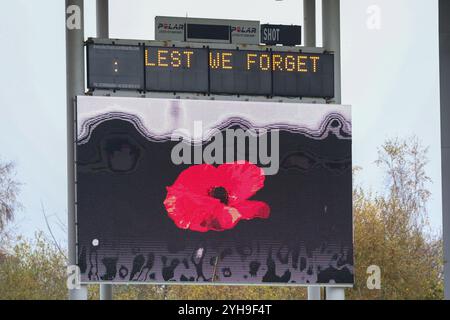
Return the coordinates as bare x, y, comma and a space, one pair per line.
55, 242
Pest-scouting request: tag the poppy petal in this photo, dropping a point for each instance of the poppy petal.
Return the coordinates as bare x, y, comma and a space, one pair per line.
242, 179
252, 209
228, 218
198, 179
192, 211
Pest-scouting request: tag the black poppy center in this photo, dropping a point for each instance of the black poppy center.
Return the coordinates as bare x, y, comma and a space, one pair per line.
219, 193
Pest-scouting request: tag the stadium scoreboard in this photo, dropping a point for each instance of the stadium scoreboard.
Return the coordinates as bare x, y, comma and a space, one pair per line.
211, 71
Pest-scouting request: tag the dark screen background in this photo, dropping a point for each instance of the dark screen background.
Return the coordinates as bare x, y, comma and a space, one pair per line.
121, 181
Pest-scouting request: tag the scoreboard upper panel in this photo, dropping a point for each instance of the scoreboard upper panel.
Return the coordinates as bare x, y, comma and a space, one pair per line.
207, 70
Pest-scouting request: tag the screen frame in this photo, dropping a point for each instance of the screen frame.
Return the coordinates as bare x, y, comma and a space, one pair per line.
79, 99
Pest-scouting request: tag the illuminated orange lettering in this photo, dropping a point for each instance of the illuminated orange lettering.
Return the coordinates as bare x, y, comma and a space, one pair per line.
301, 64
176, 59
289, 63
188, 57
162, 58
250, 61
214, 62
264, 62
226, 60
314, 60
276, 62
147, 62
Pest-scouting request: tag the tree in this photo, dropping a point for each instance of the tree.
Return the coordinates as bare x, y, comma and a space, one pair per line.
404, 163
392, 232
9, 189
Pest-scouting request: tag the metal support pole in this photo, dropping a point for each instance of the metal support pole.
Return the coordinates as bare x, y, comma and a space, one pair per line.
102, 9
335, 293
314, 293
106, 291
102, 17
444, 64
331, 28
309, 22
309, 31
74, 86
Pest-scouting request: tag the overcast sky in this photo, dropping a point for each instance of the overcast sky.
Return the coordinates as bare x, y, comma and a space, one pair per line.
390, 77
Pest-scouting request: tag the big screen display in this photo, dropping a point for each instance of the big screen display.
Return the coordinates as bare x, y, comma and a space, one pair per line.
213, 192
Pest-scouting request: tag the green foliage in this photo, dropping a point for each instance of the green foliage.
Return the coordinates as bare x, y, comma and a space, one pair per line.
236, 292
410, 260
199, 292
33, 270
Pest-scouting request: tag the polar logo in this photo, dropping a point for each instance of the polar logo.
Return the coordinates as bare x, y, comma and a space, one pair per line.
170, 26
243, 29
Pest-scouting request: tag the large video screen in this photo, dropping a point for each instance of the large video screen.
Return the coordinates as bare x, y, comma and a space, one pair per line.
213, 192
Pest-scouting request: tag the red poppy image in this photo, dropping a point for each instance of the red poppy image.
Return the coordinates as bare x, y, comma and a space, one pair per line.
209, 198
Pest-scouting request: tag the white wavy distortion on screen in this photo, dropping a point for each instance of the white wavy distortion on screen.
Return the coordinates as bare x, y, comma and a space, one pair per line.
157, 119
